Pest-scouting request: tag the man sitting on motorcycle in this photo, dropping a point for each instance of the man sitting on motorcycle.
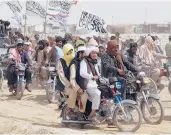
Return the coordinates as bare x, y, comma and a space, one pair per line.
115, 64
14, 59
56, 51
130, 54
147, 60
40, 57
89, 71
101, 51
26, 60
63, 83
75, 78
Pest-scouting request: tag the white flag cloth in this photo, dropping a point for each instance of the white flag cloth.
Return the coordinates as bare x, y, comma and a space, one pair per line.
18, 11
35, 8
91, 22
58, 11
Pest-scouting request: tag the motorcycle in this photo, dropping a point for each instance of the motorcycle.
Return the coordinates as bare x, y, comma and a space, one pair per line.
167, 72
35, 81
112, 107
51, 83
36, 75
1, 79
4, 63
137, 89
19, 87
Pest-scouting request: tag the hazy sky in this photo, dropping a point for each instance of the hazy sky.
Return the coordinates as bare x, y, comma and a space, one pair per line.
123, 12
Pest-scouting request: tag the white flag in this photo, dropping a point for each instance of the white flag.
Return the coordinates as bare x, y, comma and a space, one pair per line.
35, 8
58, 11
91, 22
17, 9
14, 6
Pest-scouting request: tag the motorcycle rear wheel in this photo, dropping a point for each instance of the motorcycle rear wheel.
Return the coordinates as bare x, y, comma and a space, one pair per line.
118, 112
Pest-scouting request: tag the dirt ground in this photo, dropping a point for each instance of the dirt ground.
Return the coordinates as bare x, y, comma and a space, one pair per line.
34, 115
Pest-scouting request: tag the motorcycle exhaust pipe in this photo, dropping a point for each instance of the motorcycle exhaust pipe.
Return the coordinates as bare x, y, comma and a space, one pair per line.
76, 122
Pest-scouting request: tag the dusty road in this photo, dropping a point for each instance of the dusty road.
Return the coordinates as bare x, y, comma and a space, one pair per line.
34, 115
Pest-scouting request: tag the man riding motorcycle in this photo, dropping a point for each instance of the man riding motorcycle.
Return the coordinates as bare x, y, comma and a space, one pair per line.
147, 60
75, 78
15, 58
56, 51
40, 56
130, 54
26, 60
101, 51
115, 64
89, 71
63, 83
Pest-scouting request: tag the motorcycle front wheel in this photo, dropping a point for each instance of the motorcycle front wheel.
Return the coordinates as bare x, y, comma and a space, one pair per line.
152, 112
20, 89
50, 93
169, 87
125, 116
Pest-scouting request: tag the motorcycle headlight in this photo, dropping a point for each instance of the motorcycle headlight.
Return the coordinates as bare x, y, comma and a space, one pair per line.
146, 80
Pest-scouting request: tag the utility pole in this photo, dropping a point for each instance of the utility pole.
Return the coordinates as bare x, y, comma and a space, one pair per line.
112, 20
112, 24
25, 19
45, 23
145, 19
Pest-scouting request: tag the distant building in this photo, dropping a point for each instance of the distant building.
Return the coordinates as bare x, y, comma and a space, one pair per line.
153, 28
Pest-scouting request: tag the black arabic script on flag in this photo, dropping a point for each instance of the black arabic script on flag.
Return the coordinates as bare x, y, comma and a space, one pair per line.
92, 22
36, 8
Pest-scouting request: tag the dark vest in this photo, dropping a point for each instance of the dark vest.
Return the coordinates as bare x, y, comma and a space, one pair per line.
76, 62
82, 82
60, 86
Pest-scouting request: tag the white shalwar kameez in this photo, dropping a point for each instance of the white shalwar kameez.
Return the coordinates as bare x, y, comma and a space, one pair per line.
92, 89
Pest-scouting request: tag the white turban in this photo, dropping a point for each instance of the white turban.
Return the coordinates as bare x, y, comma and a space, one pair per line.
91, 49
92, 42
81, 48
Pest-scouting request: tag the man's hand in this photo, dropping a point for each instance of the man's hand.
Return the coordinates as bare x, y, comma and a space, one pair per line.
121, 72
57, 74
169, 57
80, 91
71, 86
95, 78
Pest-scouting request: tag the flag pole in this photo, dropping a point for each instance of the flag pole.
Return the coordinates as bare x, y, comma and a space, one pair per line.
45, 23
25, 21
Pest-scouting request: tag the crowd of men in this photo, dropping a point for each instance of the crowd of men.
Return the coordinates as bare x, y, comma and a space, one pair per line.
79, 63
